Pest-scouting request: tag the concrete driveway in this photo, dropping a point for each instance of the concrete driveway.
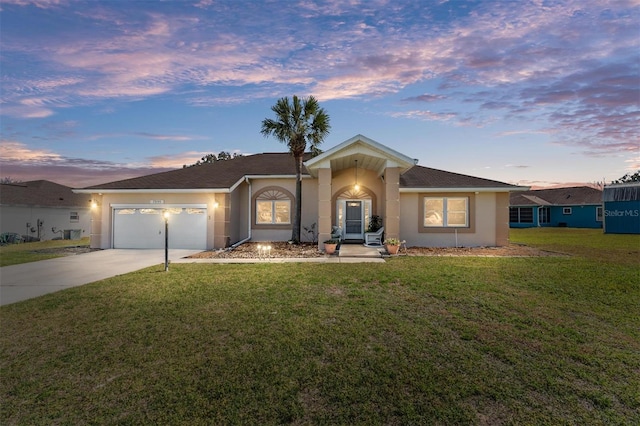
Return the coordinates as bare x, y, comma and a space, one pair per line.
22, 282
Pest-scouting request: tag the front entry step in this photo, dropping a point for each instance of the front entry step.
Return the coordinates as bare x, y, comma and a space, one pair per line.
356, 250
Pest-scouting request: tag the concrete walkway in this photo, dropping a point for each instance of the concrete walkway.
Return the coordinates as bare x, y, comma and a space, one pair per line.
29, 280
362, 251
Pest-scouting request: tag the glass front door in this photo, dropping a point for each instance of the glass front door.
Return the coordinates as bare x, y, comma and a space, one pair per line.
353, 220
352, 216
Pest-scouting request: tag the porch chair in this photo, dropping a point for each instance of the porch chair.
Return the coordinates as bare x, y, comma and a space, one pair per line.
374, 238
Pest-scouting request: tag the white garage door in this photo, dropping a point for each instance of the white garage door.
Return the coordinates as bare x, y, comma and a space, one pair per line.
144, 227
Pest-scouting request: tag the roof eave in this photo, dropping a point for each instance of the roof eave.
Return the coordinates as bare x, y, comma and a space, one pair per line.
304, 176
44, 206
465, 189
149, 191
183, 190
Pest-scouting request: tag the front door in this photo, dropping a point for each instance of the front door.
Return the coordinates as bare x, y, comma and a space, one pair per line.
353, 227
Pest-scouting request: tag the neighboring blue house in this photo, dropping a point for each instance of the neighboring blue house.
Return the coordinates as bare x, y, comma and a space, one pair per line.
577, 207
622, 208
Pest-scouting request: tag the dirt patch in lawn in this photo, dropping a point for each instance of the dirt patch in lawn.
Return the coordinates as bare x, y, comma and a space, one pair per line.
512, 250
285, 250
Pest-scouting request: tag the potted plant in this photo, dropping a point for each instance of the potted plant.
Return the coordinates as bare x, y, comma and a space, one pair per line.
392, 245
330, 246
375, 223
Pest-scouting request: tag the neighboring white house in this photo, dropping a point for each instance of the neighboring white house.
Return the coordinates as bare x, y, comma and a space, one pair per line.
44, 210
252, 198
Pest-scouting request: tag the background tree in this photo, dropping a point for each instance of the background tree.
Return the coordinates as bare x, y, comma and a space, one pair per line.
628, 178
223, 155
211, 158
9, 180
297, 123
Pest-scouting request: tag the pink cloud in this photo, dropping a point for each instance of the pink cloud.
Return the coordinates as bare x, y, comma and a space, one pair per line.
539, 60
42, 4
13, 151
23, 163
74, 176
176, 161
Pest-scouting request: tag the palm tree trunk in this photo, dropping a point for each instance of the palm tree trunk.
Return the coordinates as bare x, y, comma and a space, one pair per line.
297, 220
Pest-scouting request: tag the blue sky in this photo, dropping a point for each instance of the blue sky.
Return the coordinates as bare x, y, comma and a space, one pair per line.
538, 93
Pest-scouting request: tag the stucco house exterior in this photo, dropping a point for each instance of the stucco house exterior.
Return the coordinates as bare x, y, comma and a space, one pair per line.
252, 198
574, 207
43, 210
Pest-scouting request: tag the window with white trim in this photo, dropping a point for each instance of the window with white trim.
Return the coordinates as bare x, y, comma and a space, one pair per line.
521, 214
599, 214
273, 207
544, 215
446, 212
566, 210
74, 217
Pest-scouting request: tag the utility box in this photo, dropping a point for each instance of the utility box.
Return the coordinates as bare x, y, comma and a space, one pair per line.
72, 234
622, 208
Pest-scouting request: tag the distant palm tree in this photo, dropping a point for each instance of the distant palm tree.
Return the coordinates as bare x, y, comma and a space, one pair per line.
297, 123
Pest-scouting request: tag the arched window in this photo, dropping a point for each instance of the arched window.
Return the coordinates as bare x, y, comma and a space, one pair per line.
273, 206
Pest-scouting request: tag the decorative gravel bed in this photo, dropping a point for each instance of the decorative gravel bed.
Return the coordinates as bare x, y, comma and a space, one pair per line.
250, 250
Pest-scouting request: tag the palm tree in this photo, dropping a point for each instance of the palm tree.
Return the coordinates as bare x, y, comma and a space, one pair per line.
297, 123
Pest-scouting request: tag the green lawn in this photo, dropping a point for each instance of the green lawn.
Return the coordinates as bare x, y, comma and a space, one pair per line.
588, 243
431, 340
32, 252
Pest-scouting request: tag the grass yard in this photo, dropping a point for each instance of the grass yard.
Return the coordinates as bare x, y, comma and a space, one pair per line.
32, 252
587, 243
417, 340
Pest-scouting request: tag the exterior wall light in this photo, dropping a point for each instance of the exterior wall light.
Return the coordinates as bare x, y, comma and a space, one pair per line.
166, 215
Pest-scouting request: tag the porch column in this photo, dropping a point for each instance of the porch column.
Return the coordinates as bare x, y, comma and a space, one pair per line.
324, 206
391, 218
222, 221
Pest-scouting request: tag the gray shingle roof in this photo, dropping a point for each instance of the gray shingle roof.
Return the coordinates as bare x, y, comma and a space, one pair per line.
577, 195
224, 174
426, 177
221, 174
41, 193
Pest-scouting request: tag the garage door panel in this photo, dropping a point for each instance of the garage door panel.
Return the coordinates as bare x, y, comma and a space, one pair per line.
144, 228
187, 230
132, 229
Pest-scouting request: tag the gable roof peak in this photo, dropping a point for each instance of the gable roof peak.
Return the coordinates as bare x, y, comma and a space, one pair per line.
361, 148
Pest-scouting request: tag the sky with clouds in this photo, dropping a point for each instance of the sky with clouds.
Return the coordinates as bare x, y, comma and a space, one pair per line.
536, 93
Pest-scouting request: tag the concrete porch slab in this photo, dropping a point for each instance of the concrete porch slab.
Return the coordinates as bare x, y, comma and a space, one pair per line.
359, 250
